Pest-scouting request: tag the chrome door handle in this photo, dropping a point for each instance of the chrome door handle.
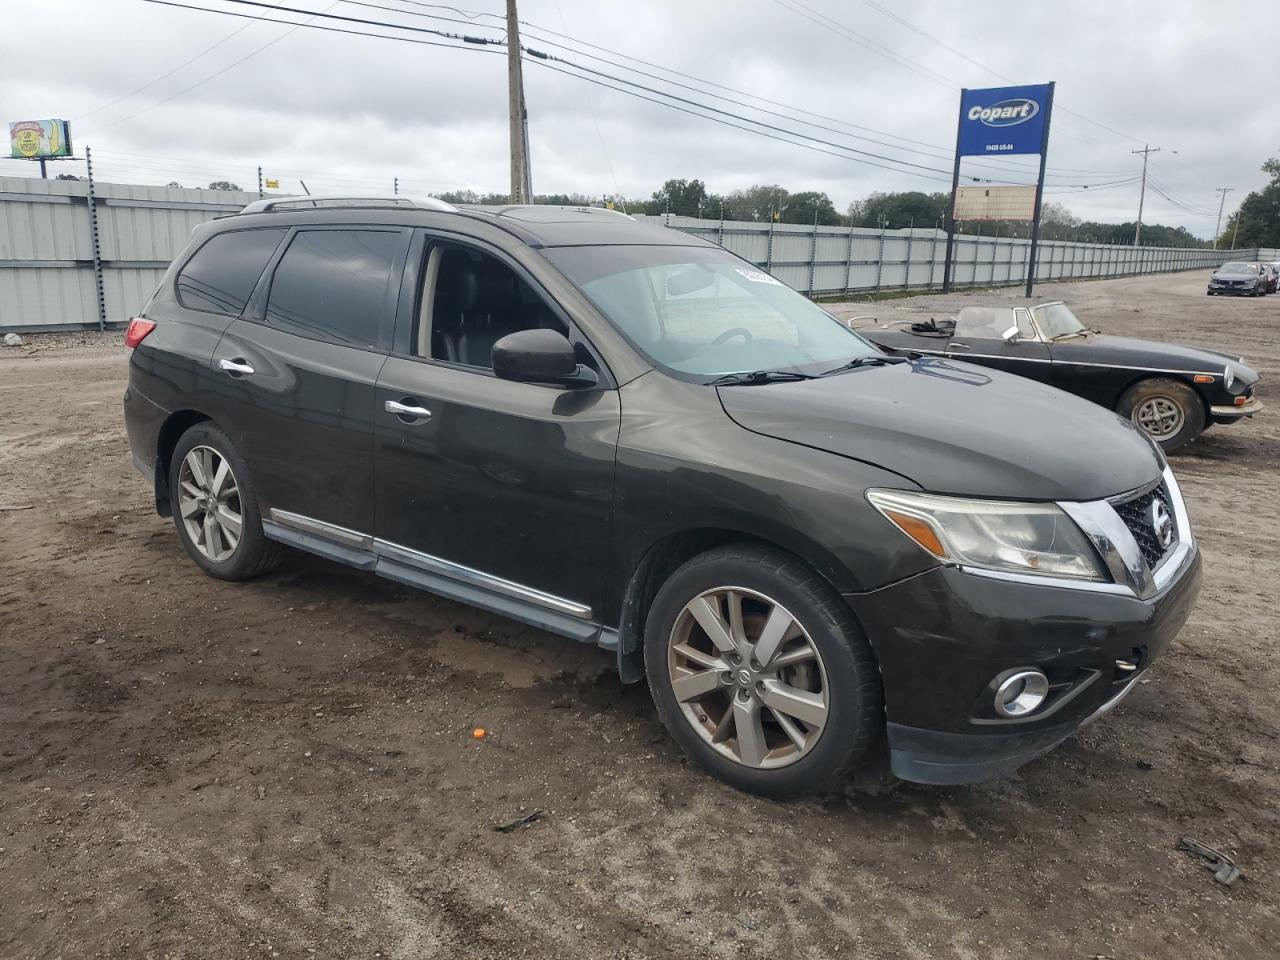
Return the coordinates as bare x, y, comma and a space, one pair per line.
404, 410
235, 366
958, 346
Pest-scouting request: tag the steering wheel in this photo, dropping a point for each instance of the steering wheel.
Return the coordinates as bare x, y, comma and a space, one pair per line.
733, 332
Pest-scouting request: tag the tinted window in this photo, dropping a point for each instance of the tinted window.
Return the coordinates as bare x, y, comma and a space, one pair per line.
223, 273
334, 284
476, 302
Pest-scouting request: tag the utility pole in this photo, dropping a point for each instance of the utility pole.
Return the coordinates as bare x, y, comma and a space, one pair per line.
520, 179
1146, 151
1221, 203
1236, 232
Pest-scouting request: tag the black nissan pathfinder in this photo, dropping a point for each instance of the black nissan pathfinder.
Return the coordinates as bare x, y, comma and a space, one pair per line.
628, 436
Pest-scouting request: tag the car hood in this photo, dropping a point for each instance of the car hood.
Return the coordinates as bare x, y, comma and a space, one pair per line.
956, 428
1233, 276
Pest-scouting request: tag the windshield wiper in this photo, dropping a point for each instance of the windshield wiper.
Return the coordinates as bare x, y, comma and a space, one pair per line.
1073, 333
874, 359
757, 377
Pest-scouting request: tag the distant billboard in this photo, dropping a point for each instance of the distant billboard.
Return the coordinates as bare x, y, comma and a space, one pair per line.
996, 203
1003, 120
38, 139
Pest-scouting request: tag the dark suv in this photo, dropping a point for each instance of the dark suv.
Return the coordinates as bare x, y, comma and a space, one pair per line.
628, 436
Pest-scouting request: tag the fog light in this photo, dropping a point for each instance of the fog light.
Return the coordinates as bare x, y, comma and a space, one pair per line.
1021, 693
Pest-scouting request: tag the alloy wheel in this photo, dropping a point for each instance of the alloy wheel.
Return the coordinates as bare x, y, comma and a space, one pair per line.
748, 677
1161, 417
209, 503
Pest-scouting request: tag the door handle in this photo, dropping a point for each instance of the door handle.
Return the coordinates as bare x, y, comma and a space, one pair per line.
406, 411
235, 367
958, 346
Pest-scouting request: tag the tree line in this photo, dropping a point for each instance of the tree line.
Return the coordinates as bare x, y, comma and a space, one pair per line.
1257, 222
765, 202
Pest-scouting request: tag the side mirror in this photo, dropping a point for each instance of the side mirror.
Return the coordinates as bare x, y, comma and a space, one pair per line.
1010, 335
540, 356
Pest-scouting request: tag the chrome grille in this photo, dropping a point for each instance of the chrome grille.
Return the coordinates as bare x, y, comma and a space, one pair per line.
1137, 516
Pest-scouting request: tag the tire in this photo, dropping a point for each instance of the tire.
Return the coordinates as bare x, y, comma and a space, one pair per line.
829, 663
191, 491
1147, 404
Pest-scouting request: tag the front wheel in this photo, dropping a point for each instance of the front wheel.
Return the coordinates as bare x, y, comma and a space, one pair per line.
215, 508
760, 673
1168, 411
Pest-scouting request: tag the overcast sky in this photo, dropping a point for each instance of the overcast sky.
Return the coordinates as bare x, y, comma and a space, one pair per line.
348, 113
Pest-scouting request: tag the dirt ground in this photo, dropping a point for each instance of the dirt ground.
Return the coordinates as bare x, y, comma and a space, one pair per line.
286, 768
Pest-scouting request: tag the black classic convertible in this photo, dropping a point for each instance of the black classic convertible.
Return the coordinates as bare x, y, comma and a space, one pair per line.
1171, 392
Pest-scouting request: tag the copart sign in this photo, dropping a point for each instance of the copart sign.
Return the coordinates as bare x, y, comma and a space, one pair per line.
1003, 120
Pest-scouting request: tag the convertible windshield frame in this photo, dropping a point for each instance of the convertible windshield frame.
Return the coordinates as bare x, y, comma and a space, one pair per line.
637, 298
1048, 331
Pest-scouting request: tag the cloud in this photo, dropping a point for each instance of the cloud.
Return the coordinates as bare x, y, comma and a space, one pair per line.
348, 113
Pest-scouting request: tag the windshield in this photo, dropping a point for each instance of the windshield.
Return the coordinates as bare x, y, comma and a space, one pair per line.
702, 312
1055, 320
1237, 268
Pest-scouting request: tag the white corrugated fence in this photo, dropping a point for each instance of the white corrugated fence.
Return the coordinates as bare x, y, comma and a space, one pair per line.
49, 274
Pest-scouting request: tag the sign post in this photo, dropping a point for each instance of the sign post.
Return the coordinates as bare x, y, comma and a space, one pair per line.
995, 122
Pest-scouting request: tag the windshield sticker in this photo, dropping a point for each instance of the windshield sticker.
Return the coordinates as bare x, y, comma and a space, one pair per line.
755, 276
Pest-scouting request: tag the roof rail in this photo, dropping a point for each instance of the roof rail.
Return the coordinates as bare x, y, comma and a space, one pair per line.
424, 203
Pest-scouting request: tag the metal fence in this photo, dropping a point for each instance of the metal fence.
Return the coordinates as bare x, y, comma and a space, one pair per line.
76, 255
824, 261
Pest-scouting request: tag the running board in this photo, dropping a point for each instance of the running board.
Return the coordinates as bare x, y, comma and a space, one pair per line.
439, 576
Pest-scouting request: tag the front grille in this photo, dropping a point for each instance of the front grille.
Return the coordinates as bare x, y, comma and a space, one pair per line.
1138, 516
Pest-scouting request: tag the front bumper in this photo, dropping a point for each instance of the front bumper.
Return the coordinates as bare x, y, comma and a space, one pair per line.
943, 635
1225, 413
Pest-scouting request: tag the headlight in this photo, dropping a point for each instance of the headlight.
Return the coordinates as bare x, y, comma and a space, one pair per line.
1228, 376
1035, 538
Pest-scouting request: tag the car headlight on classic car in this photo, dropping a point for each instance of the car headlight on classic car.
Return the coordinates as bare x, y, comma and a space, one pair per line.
1006, 536
1228, 377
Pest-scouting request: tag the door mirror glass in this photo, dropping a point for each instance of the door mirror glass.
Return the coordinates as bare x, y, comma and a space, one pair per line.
540, 356
1010, 335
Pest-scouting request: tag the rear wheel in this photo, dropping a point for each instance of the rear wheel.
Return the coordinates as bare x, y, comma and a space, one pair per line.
1168, 411
760, 673
215, 508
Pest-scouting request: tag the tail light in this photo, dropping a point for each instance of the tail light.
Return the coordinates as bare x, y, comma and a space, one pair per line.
137, 331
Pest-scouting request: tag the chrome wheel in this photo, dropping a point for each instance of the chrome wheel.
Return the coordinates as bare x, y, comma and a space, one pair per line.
209, 503
748, 677
1161, 417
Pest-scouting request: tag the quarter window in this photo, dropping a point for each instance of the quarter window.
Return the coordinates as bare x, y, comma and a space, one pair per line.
336, 284
223, 272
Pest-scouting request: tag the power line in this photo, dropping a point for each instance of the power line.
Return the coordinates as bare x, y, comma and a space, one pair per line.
959, 53
790, 136
472, 15
947, 156
212, 76
165, 76
542, 59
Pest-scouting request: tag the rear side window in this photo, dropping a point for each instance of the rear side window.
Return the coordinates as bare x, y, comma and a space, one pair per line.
336, 284
222, 274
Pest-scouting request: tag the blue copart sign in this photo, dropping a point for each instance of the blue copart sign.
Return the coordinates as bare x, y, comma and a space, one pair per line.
1003, 120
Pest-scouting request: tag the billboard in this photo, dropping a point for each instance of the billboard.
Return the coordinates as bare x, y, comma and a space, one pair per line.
1003, 121
38, 139
996, 203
